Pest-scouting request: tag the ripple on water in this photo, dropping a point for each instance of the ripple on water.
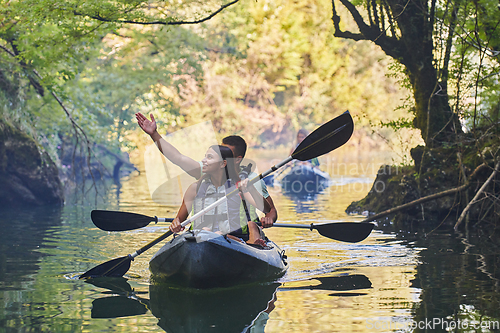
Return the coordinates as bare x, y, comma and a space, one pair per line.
318, 257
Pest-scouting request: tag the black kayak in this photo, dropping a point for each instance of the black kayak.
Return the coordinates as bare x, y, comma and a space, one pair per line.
304, 178
208, 260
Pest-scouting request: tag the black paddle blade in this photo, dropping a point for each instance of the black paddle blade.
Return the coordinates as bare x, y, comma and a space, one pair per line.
119, 221
325, 138
113, 268
351, 232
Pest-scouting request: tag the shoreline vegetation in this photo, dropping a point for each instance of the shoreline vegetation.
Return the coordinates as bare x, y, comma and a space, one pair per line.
452, 187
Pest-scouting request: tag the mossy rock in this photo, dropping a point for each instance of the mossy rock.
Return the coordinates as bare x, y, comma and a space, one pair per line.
27, 174
392, 187
436, 170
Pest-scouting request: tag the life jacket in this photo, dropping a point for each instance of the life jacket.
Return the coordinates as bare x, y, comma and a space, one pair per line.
226, 216
247, 212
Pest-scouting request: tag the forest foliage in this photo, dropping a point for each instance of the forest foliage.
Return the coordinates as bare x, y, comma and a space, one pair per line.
79, 70
259, 69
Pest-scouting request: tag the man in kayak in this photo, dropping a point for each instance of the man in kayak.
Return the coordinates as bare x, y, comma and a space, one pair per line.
194, 168
220, 178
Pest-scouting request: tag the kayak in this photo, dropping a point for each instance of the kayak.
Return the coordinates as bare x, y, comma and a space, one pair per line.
208, 260
304, 178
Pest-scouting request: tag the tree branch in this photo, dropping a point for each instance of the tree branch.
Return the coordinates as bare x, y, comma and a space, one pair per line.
389, 44
357, 18
159, 22
39, 88
478, 193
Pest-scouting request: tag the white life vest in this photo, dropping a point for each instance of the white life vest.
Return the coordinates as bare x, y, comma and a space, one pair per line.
225, 217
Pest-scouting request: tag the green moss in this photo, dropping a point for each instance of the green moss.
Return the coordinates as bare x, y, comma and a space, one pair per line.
436, 170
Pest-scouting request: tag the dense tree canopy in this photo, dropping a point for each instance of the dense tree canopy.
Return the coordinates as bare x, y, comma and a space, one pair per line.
449, 52
82, 68
253, 68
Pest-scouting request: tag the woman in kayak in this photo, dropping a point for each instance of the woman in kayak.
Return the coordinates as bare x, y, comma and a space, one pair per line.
220, 178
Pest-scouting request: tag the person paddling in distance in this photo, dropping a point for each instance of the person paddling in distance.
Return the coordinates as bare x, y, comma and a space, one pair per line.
301, 135
194, 168
220, 178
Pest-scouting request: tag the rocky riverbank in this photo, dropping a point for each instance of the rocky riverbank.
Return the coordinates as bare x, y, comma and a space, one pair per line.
438, 188
27, 174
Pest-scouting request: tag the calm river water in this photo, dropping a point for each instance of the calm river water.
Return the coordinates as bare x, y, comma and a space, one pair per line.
391, 282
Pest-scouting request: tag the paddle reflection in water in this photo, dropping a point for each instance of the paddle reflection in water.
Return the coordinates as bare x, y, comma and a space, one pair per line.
337, 283
240, 309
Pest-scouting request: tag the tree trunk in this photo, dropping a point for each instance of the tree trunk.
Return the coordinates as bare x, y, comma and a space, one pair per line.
410, 42
433, 115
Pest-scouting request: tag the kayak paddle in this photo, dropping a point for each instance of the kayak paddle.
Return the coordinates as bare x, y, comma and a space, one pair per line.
351, 232
324, 139
121, 221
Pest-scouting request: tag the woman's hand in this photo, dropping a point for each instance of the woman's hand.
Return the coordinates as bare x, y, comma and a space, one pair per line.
243, 185
147, 126
176, 226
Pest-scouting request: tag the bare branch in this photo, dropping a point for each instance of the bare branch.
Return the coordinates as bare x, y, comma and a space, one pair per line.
424, 199
157, 22
389, 44
476, 197
39, 88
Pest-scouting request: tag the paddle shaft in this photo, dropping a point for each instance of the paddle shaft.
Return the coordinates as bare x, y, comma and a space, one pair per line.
285, 225
183, 224
271, 170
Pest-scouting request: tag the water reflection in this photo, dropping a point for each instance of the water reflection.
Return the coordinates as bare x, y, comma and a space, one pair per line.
224, 310
123, 302
23, 231
303, 202
413, 275
337, 283
460, 281
238, 309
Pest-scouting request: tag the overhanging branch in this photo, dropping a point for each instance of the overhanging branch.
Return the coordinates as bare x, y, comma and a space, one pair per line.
357, 17
157, 22
39, 88
389, 44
